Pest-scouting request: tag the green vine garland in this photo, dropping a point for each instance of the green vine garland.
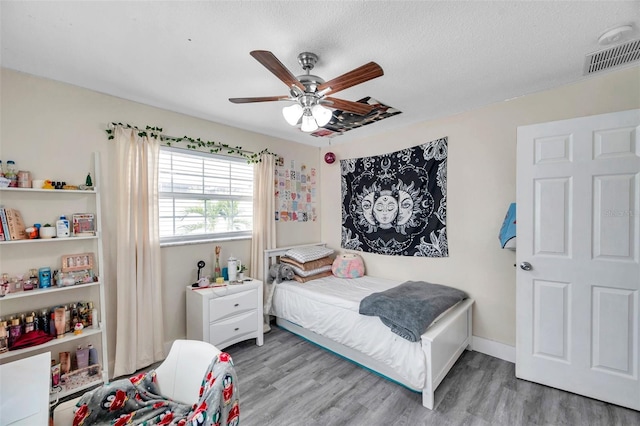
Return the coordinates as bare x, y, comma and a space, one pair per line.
214, 147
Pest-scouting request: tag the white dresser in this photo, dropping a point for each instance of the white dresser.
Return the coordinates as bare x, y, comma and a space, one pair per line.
225, 315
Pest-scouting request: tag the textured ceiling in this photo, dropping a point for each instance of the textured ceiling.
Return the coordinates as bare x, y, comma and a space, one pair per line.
439, 58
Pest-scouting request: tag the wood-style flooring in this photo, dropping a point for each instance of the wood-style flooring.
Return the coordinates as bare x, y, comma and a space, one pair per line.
290, 381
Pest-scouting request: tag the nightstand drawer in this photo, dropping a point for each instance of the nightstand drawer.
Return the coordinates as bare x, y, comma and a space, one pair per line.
233, 328
222, 307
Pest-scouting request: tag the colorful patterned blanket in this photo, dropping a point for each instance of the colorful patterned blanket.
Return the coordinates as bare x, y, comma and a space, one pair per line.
137, 401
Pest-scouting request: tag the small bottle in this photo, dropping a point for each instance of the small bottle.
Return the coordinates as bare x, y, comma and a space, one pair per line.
28, 324
11, 173
62, 227
93, 360
67, 319
95, 323
4, 338
37, 322
1, 169
44, 321
52, 323
33, 276
15, 331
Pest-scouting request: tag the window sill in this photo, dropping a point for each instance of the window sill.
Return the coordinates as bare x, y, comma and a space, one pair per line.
203, 241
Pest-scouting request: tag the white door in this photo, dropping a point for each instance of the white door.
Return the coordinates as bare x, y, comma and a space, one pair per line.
578, 226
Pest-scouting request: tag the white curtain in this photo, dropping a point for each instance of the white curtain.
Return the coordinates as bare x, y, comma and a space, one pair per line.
139, 334
264, 225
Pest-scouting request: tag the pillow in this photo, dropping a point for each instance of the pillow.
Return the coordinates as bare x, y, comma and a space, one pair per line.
302, 273
312, 277
308, 253
308, 266
348, 266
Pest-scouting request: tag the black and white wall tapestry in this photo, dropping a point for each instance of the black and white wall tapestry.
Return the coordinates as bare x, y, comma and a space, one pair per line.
396, 204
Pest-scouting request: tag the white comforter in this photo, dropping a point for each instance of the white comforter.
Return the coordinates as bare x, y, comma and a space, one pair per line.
329, 307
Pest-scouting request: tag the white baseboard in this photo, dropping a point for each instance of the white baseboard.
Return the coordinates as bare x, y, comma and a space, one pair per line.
494, 349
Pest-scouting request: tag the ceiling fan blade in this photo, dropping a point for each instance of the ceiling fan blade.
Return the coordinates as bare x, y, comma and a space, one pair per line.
270, 62
350, 106
359, 75
258, 99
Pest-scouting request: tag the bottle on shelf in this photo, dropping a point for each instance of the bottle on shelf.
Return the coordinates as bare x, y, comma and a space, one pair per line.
28, 324
93, 360
33, 276
11, 173
15, 331
4, 338
44, 321
62, 227
67, 319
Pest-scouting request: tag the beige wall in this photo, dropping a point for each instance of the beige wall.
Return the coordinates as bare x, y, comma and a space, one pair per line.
481, 182
52, 129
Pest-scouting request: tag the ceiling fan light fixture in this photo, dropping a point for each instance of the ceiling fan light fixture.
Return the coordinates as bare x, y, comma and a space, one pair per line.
321, 114
308, 122
292, 113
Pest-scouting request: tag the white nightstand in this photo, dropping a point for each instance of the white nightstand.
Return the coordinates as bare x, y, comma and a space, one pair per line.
225, 315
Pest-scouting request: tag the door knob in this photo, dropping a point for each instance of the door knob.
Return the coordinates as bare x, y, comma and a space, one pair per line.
526, 266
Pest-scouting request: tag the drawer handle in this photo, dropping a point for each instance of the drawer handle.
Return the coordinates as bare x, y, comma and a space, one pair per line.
236, 305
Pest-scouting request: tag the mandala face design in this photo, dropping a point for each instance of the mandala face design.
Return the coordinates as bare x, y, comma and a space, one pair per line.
396, 203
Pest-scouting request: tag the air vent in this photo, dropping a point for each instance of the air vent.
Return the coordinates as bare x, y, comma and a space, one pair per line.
612, 57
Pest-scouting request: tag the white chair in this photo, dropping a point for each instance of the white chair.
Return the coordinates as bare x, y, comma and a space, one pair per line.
179, 376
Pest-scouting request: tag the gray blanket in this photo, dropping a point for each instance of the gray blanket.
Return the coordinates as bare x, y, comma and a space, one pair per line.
409, 308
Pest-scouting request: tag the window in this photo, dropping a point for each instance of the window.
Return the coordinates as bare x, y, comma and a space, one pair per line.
204, 196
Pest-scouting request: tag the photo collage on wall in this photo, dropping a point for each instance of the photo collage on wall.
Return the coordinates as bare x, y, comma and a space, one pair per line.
295, 189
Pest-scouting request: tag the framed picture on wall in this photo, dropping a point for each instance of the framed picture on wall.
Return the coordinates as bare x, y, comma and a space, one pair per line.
77, 262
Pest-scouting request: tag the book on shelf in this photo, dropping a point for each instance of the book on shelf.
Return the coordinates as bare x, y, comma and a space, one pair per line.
83, 224
16, 225
4, 224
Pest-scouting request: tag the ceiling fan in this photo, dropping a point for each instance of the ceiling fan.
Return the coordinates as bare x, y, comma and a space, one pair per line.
309, 92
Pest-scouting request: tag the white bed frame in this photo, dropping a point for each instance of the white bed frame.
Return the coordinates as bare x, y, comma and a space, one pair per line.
442, 343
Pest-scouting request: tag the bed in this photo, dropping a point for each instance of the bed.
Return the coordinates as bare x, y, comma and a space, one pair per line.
325, 311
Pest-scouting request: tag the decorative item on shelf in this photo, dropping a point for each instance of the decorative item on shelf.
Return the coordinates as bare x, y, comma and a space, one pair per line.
32, 232
37, 183
83, 224
24, 179
47, 231
77, 262
77, 329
